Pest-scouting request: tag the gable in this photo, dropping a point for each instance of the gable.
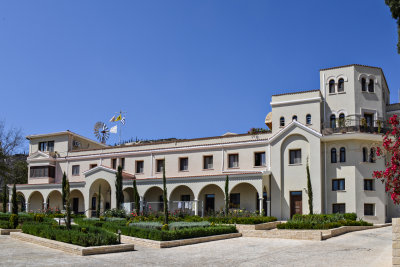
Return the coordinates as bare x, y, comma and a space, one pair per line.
290, 127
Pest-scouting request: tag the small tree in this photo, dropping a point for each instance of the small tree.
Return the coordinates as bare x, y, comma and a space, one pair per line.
136, 196
394, 6
165, 195
14, 200
5, 196
64, 181
67, 205
98, 202
309, 189
227, 195
118, 187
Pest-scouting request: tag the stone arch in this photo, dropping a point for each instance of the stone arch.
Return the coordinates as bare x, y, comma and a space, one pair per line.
128, 194
21, 201
77, 201
54, 200
179, 191
36, 201
105, 194
243, 196
153, 198
212, 198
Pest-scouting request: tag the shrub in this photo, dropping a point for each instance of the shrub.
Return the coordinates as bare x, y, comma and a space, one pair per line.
120, 213
165, 227
147, 225
241, 220
13, 221
182, 225
38, 217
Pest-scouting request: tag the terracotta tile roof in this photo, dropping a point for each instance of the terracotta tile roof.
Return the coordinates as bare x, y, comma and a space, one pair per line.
298, 92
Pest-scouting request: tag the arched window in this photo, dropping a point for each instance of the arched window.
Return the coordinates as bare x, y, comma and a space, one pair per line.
333, 155
363, 85
365, 154
341, 85
342, 154
371, 86
308, 119
333, 121
372, 155
341, 120
282, 121
294, 118
331, 86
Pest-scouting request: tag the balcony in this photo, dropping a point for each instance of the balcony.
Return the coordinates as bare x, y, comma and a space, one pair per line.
349, 125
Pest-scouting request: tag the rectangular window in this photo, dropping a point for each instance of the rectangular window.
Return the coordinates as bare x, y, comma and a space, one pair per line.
234, 201
369, 209
122, 163
45, 171
339, 208
183, 164
159, 165
43, 146
338, 184
46, 146
114, 163
233, 160
208, 162
259, 159
368, 185
139, 166
93, 166
295, 156
75, 170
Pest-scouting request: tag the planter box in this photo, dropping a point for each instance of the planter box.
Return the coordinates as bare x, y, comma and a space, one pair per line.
8, 231
70, 248
261, 226
175, 243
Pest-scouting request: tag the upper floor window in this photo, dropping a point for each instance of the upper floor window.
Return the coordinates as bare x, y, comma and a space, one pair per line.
92, 166
341, 120
208, 162
365, 154
46, 146
75, 170
372, 155
368, 184
363, 85
183, 164
333, 155
341, 85
342, 154
282, 121
233, 160
333, 121
338, 184
122, 163
294, 118
114, 163
308, 119
46, 171
139, 166
259, 159
331, 86
160, 165
295, 156
371, 86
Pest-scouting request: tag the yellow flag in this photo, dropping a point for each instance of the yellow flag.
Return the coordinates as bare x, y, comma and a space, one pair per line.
118, 118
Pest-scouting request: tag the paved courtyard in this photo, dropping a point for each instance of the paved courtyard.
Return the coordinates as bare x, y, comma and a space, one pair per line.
364, 248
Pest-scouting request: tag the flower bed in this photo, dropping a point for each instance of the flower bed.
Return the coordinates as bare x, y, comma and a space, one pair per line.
85, 237
171, 226
241, 220
322, 221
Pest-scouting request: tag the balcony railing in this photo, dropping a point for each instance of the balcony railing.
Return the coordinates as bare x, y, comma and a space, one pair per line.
348, 125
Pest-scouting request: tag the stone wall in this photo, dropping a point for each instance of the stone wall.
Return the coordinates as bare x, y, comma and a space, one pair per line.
396, 242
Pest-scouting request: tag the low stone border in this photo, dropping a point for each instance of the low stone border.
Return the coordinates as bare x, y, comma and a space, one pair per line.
70, 248
8, 231
175, 243
315, 235
261, 226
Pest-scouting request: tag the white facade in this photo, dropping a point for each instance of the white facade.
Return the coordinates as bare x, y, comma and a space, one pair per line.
266, 170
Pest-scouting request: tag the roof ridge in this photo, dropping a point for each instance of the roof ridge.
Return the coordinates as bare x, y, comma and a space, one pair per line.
298, 92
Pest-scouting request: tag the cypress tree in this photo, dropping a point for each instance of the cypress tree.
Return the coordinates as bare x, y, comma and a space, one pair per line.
118, 187
136, 196
98, 202
64, 181
165, 195
309, 189
67, 205
14, 200
5, 196
227, 196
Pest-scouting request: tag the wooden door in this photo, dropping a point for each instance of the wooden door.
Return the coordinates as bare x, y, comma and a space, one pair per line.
296, 203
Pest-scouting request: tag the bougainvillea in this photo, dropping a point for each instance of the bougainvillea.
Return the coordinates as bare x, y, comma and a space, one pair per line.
391, 148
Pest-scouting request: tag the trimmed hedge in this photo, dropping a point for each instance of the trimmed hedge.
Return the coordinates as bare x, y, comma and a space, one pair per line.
22, 218
241, 220
86, 237
171, 226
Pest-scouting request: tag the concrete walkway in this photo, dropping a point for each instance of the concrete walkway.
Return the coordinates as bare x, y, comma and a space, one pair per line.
364, 248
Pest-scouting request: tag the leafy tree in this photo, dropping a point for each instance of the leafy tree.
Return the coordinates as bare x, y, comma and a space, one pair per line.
394, 6
309, 189
19, 171
67, 205
391, 148
165, 195
118, 188
64, 182
98, 202
227, 195
5, 196
136, 196
14, 200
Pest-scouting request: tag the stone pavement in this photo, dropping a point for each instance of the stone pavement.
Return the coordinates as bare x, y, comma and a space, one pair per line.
364, 248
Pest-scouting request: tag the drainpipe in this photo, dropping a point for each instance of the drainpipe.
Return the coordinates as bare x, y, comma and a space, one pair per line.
151, 164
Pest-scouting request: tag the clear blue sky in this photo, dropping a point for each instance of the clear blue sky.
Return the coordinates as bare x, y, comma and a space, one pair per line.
181, 69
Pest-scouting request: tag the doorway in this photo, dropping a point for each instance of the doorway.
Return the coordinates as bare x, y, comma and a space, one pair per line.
75, 205
296, 203
369, 118
210, 202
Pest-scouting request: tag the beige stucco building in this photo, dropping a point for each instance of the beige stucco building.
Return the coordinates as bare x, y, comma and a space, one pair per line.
335, 129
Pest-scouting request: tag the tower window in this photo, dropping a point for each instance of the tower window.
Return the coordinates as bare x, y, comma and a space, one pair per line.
333, 121
294, 118
333, 155
371, 86
341, 120
365, 154
282, 121
308, 119
331, 86
363, 85
342, 154
341, 85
